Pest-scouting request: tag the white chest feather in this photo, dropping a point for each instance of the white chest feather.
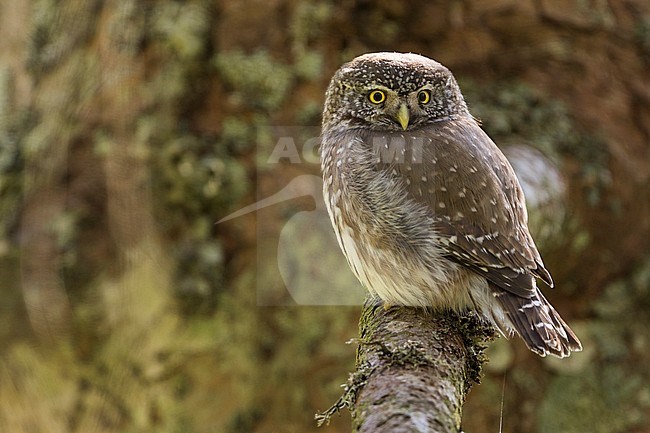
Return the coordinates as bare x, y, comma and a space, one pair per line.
388, 275
426, 279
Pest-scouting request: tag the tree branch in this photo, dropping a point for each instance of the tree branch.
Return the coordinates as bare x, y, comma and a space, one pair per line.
414, 369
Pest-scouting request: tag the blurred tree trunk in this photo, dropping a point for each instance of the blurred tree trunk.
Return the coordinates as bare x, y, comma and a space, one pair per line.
76, 107
128, 128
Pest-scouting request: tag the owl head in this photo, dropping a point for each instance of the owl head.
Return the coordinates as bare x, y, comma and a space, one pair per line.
393, 92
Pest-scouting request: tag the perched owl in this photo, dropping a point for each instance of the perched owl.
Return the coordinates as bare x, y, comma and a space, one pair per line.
426, 208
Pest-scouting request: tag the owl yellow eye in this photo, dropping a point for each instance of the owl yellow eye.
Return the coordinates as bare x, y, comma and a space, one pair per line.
424, 96
377, 96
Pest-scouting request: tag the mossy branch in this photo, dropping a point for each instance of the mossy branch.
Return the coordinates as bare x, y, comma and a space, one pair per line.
414, 369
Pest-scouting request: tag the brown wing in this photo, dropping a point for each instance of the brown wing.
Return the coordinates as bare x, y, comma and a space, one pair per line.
478, 207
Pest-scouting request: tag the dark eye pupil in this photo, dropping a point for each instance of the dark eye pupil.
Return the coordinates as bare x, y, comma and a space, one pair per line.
376, 97
423, 97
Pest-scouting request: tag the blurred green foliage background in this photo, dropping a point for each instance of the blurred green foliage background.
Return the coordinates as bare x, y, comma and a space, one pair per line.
127, 129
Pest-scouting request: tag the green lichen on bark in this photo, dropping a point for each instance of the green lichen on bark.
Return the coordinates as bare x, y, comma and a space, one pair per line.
414, 369
608, 392
13, 122
107, 142
599, 401
256, 80
516, 113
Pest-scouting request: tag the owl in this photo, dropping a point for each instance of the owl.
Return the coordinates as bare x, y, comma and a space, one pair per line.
426, 209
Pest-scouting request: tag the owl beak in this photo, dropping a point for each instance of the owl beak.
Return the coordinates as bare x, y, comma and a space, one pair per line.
403, 116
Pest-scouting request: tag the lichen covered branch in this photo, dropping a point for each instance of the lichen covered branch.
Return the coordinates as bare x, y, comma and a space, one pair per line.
414, 369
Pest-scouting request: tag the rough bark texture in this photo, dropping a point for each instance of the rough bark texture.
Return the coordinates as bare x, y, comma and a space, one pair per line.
420, 365
414, 369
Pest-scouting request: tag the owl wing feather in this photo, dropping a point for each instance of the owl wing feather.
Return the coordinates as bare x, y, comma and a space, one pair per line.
477, 204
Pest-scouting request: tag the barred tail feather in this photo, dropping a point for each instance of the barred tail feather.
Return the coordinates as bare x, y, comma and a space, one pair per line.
538, 324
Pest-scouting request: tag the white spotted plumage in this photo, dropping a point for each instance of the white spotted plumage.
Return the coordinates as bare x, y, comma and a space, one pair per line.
439, 225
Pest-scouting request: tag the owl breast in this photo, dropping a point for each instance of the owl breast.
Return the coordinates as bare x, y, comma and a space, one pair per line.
387, 238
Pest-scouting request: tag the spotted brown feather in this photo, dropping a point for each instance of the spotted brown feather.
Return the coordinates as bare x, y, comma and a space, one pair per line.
426, 208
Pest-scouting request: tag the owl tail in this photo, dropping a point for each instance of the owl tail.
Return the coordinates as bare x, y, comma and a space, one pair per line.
538, 324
